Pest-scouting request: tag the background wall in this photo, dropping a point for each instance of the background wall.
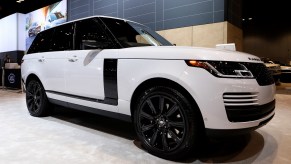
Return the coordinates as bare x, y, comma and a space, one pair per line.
157, 14
269, 41
8, 34
207, 35
12, 37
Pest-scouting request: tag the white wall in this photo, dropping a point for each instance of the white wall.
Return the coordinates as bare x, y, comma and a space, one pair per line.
21, 32
8, 33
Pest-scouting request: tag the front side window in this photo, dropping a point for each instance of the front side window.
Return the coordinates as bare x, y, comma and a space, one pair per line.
89, 35
130, 34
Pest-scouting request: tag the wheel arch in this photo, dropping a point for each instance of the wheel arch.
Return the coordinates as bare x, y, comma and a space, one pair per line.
163, 82
31, 76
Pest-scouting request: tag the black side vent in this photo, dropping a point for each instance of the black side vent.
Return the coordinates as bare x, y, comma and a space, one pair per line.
110, 80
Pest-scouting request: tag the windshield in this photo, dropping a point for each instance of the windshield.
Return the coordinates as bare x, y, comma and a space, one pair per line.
131, 34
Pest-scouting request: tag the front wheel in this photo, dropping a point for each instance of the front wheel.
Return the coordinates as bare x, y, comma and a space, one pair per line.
36, 99
167, 123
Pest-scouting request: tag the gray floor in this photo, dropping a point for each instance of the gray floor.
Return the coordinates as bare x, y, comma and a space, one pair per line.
77, 137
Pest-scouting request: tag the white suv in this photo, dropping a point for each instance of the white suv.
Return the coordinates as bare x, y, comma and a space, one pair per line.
122, 69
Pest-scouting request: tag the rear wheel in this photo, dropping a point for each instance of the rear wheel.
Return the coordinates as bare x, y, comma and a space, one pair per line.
36, 99
166, 123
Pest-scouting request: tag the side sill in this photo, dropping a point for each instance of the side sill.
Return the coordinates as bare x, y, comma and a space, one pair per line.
118, 116
217, 133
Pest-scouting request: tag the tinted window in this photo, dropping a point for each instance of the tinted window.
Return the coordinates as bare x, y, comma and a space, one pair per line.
130, 34
63, 38
90, 35
42, 42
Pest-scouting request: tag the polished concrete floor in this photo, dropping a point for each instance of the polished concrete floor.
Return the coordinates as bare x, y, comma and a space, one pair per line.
77, 137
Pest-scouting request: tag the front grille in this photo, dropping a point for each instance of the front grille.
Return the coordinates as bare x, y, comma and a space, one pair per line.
261, 73
242, 107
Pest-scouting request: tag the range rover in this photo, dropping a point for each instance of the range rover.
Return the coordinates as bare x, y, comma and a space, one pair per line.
124, 70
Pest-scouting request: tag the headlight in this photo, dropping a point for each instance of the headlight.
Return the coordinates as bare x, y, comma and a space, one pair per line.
223, 69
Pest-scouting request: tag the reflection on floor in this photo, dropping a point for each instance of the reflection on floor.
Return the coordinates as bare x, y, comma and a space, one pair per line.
76, 137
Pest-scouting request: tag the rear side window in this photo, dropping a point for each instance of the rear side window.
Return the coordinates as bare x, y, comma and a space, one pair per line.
42, 42
90, 35
63, 38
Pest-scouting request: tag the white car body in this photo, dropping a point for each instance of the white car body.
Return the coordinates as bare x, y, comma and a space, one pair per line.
136, 65
81, 73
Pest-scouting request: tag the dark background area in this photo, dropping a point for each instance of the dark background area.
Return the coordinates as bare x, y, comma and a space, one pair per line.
8, 7
265, 24
268, 33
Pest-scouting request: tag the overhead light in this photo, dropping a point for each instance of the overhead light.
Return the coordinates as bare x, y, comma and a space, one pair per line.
243, 19
19, 1
250, 18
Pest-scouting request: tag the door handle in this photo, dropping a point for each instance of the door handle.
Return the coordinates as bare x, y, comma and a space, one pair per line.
41, 59
73, 59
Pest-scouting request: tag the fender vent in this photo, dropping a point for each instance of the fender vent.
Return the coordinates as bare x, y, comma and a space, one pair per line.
240, 99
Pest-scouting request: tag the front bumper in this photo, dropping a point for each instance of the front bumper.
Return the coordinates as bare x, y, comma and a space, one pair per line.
209, 93
234, 132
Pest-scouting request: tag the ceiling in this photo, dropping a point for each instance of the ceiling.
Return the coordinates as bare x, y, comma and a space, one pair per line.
262, 12
8, 7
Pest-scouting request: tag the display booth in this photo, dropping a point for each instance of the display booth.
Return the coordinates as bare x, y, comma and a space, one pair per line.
12, 76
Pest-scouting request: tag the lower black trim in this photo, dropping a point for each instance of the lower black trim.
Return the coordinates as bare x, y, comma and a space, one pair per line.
107, 100
234, 132
114, 115
250, 112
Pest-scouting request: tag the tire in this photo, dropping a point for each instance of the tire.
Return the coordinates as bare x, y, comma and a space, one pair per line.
167, 123
36, 99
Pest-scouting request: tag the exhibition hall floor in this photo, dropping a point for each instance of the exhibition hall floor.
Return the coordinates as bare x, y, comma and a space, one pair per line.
76, 137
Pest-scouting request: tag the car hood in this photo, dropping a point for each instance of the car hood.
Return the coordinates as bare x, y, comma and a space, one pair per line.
186, 53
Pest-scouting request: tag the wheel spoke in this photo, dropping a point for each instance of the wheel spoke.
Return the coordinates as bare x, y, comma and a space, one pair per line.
154, 137
162, 100
172, 110
174, 136
29, 100
37, 105
150, 104
34, 88
176, 124
29, 94
37, 92
147, 127
147, 116
30, 105
33, 106
164, 141
37, 99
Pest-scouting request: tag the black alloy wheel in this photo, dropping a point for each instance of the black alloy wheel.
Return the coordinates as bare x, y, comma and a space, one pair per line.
36, 99
164, 123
